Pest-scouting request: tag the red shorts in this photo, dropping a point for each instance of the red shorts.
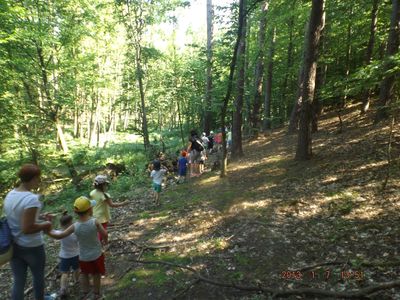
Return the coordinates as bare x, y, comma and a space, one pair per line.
105, 225
94, 266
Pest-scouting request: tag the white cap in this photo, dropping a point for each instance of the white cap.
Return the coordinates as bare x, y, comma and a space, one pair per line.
100, 179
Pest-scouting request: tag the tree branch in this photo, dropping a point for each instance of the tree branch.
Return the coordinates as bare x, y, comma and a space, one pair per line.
353, 294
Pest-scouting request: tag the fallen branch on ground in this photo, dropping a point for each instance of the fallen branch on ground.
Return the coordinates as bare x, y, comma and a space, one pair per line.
354, 294
329, 263
29, 290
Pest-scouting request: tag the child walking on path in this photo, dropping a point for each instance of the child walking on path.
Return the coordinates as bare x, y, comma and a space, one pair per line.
69, 255
101, 211
157, 174
91, 258
182, 167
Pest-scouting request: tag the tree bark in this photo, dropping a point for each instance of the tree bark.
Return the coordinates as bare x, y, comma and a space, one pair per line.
259, 71
229, 88
315, 27
388, 82
348, 56
139, 75
289, 62
366, 95
268, 84
319, 82
208, 112
294, 115
237, 149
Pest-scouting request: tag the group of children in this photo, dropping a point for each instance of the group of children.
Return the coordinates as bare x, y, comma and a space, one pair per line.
81, 241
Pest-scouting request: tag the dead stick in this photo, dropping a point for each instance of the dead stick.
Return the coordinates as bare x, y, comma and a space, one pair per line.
319, 265
28, 290
354, 294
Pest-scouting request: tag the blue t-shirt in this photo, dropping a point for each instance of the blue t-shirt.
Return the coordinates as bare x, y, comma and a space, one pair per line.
182, 165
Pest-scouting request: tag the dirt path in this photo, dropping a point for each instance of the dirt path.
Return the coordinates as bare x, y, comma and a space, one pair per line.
269, 216
324, 219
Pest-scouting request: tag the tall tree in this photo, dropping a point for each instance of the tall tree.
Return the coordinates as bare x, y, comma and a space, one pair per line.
289, 61
237, 149
208, 112
366, 95
268, 83
315, 27
388, 82
242, 15
259, 71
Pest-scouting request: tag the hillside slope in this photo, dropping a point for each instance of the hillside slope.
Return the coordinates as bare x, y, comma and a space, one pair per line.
326, 218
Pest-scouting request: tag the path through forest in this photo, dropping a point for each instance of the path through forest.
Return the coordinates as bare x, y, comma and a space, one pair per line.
270, 215
325, 219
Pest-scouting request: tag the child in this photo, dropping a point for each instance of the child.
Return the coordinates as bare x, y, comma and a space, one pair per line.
69, 255
157, 174
103, 201
91, 258
182, 167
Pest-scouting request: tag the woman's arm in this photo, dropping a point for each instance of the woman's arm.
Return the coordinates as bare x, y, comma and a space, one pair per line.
62, 234
29, 225
102, 231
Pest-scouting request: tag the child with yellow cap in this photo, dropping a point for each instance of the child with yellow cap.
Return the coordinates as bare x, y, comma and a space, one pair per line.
91, 258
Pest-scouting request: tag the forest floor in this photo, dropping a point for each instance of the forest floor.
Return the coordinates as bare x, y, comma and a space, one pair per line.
272, 224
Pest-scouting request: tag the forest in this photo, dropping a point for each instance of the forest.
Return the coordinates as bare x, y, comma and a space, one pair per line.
310, 87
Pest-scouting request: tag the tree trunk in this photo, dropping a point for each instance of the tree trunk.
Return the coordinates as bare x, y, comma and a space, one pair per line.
317, 105
61, 137
139, 71
208, 112
289, 62
268, 84
294, 115
388, 82
366, 95
315, 26
259, 71
237, 119
319, 82
229, 88
348, 56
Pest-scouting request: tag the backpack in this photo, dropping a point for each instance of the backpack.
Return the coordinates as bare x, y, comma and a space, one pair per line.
6, 241
197, 144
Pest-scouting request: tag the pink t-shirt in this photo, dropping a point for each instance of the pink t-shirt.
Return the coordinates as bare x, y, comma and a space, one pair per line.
218, 138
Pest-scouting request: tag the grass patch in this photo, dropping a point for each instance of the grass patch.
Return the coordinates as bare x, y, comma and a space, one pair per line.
342, 203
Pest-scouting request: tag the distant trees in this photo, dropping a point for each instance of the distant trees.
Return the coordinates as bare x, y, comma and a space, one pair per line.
81, 71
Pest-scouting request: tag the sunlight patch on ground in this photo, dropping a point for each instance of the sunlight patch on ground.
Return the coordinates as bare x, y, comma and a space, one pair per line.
184, 231
143, 225
329, 179
371, 165
212, 179
274, 158
244, 166
309, 211
265, 186
365, 213
246, 205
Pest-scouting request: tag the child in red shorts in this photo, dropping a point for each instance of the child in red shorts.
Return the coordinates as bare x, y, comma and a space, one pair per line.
91, 258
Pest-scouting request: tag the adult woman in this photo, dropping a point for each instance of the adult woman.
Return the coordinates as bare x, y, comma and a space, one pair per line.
22, 208
194, 147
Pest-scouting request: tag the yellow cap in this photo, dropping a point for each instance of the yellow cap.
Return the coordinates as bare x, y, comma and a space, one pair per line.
83, 204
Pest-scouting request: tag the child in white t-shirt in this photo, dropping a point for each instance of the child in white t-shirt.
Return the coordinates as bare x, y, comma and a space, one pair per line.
69, 255
157, 174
